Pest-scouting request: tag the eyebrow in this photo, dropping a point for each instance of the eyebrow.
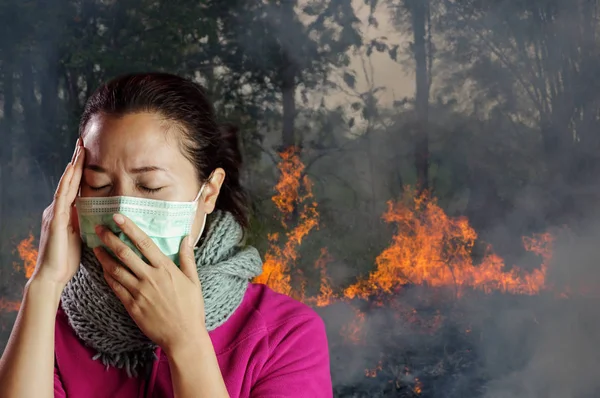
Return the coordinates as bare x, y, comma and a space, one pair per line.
137, 170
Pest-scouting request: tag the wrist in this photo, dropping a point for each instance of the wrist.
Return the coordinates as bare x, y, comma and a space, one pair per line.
194, 345
44, 289
195, 370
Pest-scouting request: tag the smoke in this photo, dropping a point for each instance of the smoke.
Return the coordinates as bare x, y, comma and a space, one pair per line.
489, 165
557, 357
481, 345
557, 354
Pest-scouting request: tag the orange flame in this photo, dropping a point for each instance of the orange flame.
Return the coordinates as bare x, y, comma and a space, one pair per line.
28, 253
326, 292
429, 248
288, 186
433, 249
291, 195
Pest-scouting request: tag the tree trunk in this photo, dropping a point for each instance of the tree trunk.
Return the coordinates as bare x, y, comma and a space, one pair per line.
6, 130
31, 111
289, 109
49, 83
288, 81
419, 11
8, 119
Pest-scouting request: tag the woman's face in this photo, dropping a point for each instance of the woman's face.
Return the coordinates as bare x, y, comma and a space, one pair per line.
135, 155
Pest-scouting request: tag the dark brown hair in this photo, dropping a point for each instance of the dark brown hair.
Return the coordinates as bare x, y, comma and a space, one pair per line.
185, 103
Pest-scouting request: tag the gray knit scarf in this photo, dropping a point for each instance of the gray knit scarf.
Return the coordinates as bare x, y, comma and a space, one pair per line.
100, 320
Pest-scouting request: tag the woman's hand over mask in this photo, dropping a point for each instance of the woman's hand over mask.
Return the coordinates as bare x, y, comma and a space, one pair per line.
165, 301
60, 244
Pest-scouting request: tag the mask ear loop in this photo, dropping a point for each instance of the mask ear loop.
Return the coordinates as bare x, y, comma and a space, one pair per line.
205, 214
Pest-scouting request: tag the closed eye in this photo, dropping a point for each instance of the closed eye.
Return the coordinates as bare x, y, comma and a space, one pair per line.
150, 190
145, 189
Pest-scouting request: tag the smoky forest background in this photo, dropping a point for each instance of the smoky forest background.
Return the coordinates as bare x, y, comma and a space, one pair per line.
424, 173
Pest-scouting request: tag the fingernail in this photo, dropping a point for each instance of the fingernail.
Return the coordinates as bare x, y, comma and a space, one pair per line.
99, 229
118, 219
188, 241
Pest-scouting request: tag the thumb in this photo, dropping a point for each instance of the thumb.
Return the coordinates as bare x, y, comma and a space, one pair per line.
187, 260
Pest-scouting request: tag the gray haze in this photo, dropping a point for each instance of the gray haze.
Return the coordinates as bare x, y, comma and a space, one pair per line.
512, 123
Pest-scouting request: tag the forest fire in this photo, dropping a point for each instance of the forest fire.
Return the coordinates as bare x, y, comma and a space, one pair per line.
429, 249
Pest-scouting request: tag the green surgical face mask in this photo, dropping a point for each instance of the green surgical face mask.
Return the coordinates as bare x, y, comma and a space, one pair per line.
165, 222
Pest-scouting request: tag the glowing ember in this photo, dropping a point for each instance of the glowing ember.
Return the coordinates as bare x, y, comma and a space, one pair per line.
354, 331
418, 386
9, 306
373, 372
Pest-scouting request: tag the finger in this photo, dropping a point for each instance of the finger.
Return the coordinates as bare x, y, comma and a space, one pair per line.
127, 256
69, 184
77, 144
61, 190
64, 178
120, 291
187, 260
67, 176
117, 272
75, 181
63, 182
142, 241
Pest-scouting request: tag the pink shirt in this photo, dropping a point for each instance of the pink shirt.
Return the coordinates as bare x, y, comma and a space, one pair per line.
271, 347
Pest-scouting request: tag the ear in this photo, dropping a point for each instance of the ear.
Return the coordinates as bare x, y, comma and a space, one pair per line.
212, 190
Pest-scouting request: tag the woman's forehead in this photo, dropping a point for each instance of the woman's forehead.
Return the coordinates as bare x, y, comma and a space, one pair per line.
139, 140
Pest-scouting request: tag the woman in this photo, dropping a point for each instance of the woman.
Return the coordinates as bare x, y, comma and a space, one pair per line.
153, 304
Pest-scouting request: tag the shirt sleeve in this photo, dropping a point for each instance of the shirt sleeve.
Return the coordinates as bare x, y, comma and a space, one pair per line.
298, 365
59, 391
